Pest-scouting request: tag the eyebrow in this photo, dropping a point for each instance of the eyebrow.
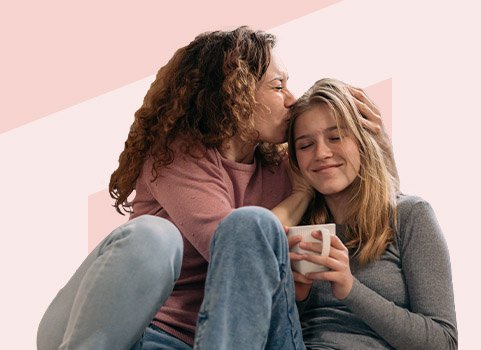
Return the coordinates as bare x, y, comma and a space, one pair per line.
280, 78
331, 128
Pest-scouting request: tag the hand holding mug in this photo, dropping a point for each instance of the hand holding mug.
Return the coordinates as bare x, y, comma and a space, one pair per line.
302, 284
339, 273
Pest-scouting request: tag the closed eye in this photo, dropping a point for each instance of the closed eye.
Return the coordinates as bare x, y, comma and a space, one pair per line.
304, 146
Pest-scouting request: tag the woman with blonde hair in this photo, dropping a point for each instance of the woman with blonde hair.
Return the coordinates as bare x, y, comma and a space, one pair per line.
389, 279
205, 159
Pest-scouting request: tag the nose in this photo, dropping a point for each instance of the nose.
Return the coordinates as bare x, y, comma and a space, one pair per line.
289, 100
323, 150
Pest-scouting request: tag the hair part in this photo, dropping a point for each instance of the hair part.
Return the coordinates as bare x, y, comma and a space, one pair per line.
204, 96
371, 213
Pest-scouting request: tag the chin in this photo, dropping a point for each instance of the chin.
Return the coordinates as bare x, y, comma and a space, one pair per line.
276, 140
330, 191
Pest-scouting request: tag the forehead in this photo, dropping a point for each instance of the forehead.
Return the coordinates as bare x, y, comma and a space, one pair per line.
317, 117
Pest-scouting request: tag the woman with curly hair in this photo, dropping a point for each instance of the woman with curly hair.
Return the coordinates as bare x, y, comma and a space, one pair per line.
389, 280
205, 158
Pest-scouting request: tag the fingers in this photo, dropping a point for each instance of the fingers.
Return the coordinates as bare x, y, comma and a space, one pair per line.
338, 254
331, 276
317, 247
295, 256
293, 240
372, 116
361, 96
374, 127
300, 278
337, 262
341, 282
337, 243
311, 246
373, 121
327, 261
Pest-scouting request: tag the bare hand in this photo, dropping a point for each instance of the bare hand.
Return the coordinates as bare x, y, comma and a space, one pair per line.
340, 274
302, 284
372, 116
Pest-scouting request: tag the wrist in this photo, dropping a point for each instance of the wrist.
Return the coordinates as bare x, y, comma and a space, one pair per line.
302, 291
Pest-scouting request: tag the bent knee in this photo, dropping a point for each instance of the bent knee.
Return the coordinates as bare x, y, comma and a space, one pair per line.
252, 213
148, 242
154, 232
251, 220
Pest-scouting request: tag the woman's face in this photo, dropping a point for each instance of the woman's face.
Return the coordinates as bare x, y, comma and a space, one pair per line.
271, 116
327, 163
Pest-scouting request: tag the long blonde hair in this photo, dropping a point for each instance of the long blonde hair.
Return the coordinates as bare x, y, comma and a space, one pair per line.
370, 214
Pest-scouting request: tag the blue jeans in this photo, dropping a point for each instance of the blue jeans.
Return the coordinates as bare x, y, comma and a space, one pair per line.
249, 300
111, 299
115, 293
156, 339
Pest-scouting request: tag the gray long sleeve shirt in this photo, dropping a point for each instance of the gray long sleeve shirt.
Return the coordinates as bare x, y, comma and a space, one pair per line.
402, 301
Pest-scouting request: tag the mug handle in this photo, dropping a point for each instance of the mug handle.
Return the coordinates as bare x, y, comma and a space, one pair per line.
326, 241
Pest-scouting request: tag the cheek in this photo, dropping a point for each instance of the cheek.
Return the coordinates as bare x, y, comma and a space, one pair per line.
303, 161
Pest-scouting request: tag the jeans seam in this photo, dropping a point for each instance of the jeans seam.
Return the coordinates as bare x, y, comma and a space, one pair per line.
289, 307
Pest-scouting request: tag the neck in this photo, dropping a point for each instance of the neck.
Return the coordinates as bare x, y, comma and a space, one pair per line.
338, 204
238, 150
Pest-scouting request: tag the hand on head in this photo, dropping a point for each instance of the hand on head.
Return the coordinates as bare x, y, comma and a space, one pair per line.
372, 116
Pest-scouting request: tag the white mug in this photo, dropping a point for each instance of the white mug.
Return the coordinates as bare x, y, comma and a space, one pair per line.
327, 230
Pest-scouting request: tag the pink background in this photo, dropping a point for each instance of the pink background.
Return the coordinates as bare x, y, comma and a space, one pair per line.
73, 74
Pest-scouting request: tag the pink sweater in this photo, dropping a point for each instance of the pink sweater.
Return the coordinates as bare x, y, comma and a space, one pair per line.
195, 195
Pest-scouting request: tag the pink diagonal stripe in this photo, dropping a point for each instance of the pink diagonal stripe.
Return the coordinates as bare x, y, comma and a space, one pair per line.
56, 54
103, 218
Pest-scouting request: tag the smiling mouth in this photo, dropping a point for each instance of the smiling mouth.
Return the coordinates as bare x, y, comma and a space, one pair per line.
326, 167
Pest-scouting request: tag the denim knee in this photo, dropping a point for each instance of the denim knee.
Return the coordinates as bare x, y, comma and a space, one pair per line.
151, 242
253, 221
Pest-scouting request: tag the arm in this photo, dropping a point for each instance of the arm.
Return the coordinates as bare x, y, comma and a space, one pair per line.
290, 212
196, 197
291, 209
194, 194
430, 323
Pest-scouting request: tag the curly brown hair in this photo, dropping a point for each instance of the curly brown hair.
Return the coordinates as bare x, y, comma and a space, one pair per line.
205, 94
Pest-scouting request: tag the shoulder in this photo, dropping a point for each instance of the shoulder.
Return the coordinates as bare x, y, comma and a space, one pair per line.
278, 172
412, 207
185, 164
407, 203
186, 152
416, 220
